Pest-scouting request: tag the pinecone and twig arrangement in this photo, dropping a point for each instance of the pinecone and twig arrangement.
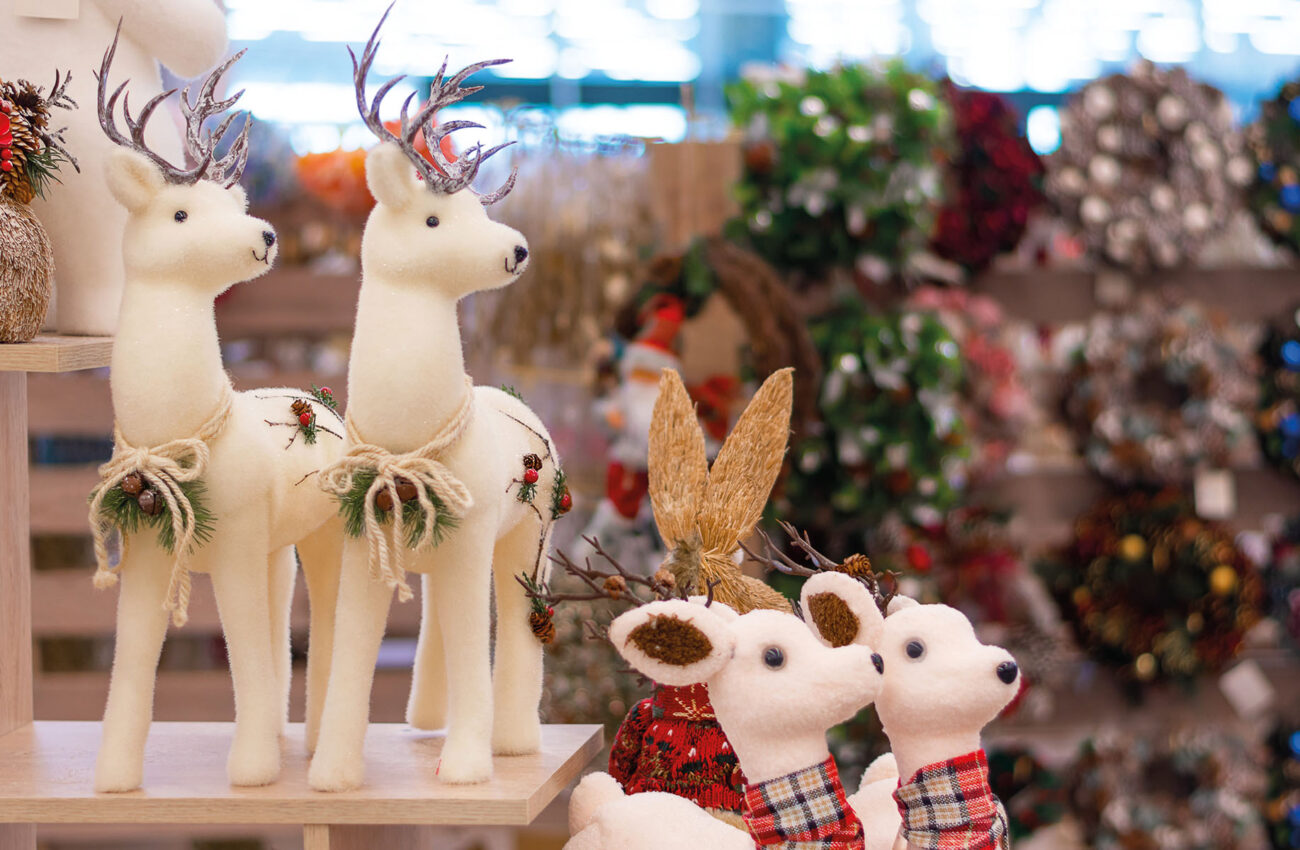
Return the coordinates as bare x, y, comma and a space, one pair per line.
31, 153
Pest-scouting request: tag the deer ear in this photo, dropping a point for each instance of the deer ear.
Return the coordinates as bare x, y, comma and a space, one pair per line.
674, 642
841, 611
240, 195
133, 179
901, 603
390, 176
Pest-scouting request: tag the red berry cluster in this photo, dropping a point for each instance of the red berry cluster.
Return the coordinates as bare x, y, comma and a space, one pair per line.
998, 179
6, 137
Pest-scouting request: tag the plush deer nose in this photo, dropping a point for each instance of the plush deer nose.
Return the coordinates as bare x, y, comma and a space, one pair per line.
1007, 671
521, 253
268, 237
878, 662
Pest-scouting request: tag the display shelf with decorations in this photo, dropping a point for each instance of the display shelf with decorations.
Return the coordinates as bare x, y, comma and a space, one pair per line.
46, 766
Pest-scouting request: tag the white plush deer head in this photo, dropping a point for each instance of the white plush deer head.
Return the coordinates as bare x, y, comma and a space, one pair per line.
774, 687
429, 227
186, 226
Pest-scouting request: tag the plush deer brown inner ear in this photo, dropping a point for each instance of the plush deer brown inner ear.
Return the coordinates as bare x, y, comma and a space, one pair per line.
671, 640
835, 621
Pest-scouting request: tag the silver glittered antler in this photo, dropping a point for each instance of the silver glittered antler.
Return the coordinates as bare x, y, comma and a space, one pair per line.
59, 99
447, 177
226, 170
202, 145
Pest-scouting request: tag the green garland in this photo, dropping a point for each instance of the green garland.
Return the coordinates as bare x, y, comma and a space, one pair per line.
842, 167
352, 506
42, 166
560, 489
891, 441
123, 512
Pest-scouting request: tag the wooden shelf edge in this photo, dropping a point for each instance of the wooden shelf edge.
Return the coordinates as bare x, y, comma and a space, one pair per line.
47, 768
54, 353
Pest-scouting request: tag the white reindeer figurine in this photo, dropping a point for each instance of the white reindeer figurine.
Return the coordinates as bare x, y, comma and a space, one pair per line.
456, 482
941, 687
180, 427
776, 690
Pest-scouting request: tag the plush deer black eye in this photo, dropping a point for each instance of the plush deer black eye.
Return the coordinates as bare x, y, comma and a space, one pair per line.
432, 221
915, 649
773, 657
181, 215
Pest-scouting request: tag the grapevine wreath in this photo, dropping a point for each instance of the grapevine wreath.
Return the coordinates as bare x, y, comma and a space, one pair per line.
1150, 165
998, 180
1278, 421
1154, 590
891, 440
1274, 141
842, 168
1162, 388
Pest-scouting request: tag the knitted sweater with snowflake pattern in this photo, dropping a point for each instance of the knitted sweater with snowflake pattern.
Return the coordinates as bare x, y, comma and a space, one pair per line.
672, 742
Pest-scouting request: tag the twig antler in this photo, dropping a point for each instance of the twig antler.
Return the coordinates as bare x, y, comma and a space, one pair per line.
856, 566
616, 584
447, 177
201, 145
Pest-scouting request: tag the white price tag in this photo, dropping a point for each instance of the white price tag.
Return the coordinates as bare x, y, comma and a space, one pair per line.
1247, 689
63, 9
1216, 493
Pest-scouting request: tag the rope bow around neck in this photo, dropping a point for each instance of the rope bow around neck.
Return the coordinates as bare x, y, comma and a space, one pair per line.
437, 490
164, 468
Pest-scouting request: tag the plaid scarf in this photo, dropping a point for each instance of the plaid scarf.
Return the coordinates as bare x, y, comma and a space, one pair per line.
950, 806
804, 810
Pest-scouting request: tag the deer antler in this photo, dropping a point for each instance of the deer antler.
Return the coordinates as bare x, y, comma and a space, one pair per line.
856, 566
447, 177
59, 99
201, 146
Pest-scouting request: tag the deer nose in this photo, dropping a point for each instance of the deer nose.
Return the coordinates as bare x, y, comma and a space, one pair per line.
878, 662
1007, 671
521, 253
268, 237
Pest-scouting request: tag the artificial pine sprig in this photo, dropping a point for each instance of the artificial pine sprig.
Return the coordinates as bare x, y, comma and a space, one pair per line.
561, 500
512, 391
352, 506
325, 396
123, 511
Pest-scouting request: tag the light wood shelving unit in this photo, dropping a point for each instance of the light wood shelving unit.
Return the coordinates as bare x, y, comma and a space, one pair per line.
47, 767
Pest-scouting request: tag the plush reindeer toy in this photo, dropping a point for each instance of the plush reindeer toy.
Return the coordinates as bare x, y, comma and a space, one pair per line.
455, 482
203, 479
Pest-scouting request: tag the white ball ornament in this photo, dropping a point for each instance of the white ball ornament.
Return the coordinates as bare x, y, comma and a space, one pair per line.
1094, 210
1104, 170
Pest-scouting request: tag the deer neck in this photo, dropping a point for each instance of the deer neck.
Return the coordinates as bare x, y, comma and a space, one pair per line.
912, 754
167, 379
764, 756
406, 376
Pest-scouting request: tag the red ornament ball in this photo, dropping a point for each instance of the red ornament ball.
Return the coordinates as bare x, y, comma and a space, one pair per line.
530, 476
566, 502
6, 165
326, 391
305, 417
918, 558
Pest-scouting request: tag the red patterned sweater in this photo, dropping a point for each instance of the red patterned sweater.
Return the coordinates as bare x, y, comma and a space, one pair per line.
672, 742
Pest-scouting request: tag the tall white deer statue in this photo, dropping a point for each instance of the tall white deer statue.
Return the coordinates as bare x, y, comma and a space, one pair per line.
203, 479
455, 482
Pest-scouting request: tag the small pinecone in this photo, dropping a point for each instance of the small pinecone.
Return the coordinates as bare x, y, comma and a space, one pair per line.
858, 566
615, 586
299, 405
532, 461
665, 579
14, 184
542, 625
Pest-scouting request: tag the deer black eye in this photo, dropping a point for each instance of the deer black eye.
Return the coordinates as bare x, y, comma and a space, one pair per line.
181, 215
915, 649
773, 657
432, 221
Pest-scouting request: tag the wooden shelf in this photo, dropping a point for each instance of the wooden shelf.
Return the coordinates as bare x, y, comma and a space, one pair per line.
51, 353
47, 768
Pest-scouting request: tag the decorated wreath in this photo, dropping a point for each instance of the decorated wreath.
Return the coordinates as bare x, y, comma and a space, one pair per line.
995, 401
1278, 421
842, 168
1150, 165
1162, 388
891, 440
998, 180
1152, 589
1274, 141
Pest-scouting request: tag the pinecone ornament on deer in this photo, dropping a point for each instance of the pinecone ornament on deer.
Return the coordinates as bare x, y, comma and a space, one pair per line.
30, 155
